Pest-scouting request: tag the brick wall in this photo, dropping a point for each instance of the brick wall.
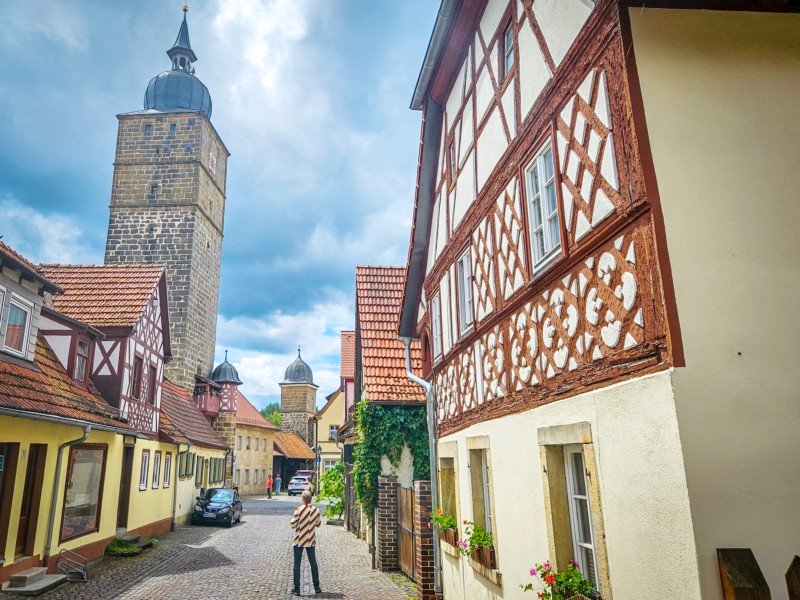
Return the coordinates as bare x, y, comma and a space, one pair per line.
386, 523
424, 549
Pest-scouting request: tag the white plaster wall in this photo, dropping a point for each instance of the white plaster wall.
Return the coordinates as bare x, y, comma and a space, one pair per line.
404, 471
533, 71
492, 143
560, 22
643, 493
721, 96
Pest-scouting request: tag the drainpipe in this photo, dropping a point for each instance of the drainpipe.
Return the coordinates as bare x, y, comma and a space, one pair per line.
54, 499
431, 414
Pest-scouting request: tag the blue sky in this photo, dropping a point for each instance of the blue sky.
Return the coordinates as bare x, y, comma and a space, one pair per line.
310, 96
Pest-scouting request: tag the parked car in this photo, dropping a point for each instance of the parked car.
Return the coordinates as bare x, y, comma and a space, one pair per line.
298, 484
308, 474
218, 505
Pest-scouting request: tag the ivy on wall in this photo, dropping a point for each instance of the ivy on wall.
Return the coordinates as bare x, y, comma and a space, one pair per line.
383, 431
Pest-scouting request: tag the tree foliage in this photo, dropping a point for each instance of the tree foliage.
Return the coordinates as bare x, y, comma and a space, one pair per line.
272, 413
383, 431
332, 489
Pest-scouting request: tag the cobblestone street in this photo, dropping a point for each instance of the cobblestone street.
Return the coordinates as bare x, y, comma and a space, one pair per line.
250, 560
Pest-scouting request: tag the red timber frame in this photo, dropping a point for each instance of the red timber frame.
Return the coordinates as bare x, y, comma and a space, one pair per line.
574, 325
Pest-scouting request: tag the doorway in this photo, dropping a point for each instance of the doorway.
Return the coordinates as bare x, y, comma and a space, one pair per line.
125, 487
31, 499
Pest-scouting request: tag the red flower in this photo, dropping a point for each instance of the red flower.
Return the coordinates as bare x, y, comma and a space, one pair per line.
550, 578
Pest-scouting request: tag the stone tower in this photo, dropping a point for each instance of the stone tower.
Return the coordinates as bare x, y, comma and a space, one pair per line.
299, 400
168, 204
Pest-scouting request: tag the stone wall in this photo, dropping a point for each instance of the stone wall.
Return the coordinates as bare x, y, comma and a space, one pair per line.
225, 426
253, 458
300, 423
298, 407
167, 207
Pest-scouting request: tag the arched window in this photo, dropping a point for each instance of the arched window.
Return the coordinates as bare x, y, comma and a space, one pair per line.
426, 354
183, 63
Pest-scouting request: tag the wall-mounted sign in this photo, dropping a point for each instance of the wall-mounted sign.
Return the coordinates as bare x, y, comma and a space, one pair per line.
23, 454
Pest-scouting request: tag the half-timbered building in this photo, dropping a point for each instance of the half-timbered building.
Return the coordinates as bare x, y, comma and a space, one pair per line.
128, 304
588, 172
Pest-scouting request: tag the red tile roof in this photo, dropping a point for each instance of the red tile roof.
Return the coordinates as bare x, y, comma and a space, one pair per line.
379, 295
104, 295
46, 388
246, 413
182, 421
291, 445
17, 261
348, 354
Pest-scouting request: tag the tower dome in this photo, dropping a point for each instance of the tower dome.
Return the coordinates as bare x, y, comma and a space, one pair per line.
225, 372
178, 88
298, 371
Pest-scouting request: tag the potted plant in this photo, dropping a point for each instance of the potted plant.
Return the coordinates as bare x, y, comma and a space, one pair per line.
479, 545
447, 526
560, 585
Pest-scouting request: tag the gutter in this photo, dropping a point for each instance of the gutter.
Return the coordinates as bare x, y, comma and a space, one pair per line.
59, 462
435, 46
13, 412
430, 410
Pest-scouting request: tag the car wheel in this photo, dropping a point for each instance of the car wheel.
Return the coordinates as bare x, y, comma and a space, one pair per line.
229, 522
239, 518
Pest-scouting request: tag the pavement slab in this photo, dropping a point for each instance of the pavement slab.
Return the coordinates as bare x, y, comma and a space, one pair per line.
253, 559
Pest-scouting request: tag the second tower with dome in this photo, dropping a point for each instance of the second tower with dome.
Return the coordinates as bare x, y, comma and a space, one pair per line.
299, 400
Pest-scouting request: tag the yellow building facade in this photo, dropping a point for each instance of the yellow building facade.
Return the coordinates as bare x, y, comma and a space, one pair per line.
329, 418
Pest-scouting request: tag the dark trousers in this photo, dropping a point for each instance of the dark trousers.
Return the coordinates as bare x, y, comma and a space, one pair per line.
311, 552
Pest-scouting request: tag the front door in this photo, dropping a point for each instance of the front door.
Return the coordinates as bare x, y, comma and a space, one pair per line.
125, 486
31, 496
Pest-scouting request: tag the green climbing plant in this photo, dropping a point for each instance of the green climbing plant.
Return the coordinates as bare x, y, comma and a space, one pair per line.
332, 490
383, 431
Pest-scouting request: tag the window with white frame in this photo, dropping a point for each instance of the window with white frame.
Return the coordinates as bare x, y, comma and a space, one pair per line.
18, 326
329, 464
157, 469
145, 469
81, 360
333, 432
508, 49
543, 207
480, 479
579, 512
167, 468
464, 287
436, 326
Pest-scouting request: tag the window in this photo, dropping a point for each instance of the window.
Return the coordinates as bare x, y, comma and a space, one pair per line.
579, 513
167, 468
148, 129
264, 476
257, 440
145, 469
81, 360
328, 465
83, 495
508, 51
543, 207
182, 464
447, 486
136, 381
198, 480
436, 326
481, 488
151, 385
333, 432
464, 269
247, 445
173, 127
19, 318
247, 476
239, 443
157, 469
153, 191
236, 476
451, 161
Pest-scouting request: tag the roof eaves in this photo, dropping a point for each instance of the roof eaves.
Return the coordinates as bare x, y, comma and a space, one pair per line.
436, 46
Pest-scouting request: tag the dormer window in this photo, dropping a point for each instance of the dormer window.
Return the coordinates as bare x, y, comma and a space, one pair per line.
18, 327
81, 369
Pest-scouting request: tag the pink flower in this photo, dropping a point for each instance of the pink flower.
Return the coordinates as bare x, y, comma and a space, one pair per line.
574, 563
546, 565
533, 572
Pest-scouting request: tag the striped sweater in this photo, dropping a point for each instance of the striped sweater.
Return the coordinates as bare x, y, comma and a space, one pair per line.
304, 521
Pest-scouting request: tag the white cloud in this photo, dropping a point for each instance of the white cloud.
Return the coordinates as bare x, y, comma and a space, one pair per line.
48, 18
42, 237
262, 348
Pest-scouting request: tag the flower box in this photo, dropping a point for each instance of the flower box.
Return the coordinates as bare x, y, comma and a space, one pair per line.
450, 536
485, 556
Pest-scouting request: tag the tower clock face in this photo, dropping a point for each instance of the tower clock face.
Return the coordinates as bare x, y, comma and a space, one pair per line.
212, 161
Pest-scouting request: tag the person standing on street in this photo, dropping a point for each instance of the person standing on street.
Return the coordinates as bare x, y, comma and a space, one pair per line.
278, 482
305, 520
269, 486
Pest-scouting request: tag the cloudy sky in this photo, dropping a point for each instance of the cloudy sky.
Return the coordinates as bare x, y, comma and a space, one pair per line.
310, 96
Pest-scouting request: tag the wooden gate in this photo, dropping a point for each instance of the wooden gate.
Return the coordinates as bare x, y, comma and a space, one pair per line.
406, 539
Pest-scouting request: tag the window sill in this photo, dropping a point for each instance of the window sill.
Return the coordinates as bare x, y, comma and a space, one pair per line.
448, 549
493, 575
